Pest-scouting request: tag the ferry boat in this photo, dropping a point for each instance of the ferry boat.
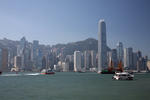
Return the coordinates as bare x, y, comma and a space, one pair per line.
47, 72
123, 76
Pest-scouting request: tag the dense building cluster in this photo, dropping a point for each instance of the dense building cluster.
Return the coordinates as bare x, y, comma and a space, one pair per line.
26, 56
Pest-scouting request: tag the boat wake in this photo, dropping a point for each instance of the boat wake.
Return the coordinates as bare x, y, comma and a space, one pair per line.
21, 74
32, 74
11, 75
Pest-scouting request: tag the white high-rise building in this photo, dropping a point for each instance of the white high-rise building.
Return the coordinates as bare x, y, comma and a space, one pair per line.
128, 57
102, 45
17, 62
120, 51
65, 66
77, 61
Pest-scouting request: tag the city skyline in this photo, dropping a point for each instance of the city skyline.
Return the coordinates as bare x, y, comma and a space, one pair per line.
53, 22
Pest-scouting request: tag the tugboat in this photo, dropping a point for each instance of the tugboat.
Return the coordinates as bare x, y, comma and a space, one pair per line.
123, 76
47, 72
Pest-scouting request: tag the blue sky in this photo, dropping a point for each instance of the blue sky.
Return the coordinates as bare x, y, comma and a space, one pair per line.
63, 21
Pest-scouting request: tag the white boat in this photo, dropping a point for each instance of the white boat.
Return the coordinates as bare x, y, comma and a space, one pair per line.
123, 76
47, 71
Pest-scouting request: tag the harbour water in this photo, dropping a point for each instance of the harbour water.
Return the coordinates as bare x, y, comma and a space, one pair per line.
72, 86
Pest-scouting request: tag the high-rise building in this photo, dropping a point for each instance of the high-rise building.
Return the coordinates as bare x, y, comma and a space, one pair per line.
86, 60
93, 59
4, 59
26, 59
65, 66
112, 56
120, 51
17, 62
77, 61
43, 62
148, 65
135, 60
128, 58
102, 45
35, 53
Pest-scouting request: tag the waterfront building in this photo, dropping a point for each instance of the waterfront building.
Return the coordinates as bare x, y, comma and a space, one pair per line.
17, 62
93, 59
120, 51
21, 46
35, 53
69, 59
148, 65
26, 58
77, 61
4, 59
139, 54
135, 60
112, 56
102, 45
65, 66
128, 58
86, 60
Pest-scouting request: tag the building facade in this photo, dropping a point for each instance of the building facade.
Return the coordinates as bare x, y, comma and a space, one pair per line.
102, 45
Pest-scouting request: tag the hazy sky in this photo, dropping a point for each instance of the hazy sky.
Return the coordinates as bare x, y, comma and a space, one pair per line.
63, 21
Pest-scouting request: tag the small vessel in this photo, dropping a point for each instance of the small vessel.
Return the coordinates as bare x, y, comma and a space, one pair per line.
0, 72
111, 69
47, 71
123, 76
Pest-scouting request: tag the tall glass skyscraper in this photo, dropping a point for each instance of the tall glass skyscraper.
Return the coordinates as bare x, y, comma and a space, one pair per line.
102, 46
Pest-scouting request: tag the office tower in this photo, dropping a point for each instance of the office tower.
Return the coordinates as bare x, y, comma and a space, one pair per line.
102, 45
17, 62
86, 60
35, 53
43, 62
21, 46
135, 60
112, 56
69, 58
4, 59
26, 59
148, 65
93, 59
77, 61
65, 66
144, 63
128, 58
139, 54
120, 51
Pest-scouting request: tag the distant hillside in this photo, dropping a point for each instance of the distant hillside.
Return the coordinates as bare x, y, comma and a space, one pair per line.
88, 44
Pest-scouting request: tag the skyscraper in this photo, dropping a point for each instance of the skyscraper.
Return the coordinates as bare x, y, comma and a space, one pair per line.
128, 58
102, 45
86, 59
112, 56
5, 59
17, 62
120, 51
77, 61
93, 59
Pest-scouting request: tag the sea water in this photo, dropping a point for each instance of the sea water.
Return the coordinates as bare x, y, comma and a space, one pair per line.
72, 86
